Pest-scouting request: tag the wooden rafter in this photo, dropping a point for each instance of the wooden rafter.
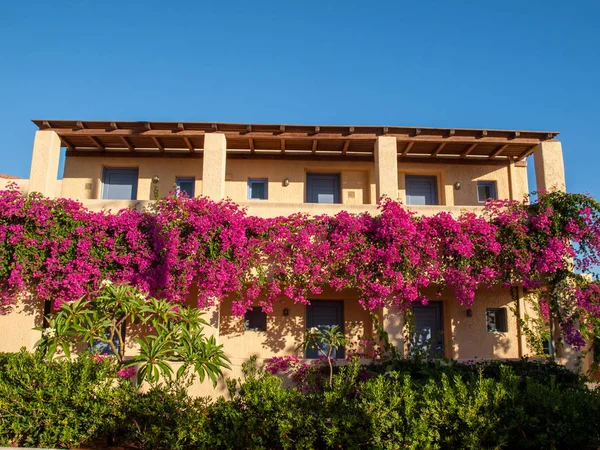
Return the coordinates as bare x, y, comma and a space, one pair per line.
498, 151
127, 143
97, 143
251, 145
468, 151
70, 146
282, 143
345, 148
438, 149
158, 144
189, 144
526, 153
407, 148
314, 146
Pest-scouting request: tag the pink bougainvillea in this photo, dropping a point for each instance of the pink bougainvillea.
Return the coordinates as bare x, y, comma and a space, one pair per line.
57, 250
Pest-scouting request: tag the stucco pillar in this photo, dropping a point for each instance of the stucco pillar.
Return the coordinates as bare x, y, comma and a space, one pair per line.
549, 166
213, 166
386, 167
44, 163
393, 324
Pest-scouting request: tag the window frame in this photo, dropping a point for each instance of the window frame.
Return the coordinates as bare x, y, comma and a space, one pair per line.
314, 176
107, 170
436, 193
261, 317
251, 181
493, 190
503, 321
186, 179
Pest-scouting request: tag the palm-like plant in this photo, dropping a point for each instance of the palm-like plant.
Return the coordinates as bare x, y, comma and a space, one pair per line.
174, 334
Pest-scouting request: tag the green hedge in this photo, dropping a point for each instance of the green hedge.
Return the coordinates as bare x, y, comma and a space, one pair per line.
81, 401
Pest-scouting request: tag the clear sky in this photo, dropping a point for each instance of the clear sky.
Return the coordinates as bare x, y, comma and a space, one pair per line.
504, 64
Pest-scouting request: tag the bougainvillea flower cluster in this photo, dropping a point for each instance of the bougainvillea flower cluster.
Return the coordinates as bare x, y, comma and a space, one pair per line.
55, 249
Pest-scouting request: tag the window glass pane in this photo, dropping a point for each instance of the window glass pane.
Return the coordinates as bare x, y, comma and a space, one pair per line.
104, 348
485, 190
186, 185
495, 319
421, 190
257, 189
323, 188
119, 183
255, 319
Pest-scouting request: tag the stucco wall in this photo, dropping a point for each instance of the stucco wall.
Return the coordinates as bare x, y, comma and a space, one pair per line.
16, 326
467, 175
23, 184
83, 175
469, 338
356, 179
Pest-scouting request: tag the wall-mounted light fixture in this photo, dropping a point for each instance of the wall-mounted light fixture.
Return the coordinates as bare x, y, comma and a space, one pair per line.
155, 179
286, 181
469, 312
286, 312
457, 185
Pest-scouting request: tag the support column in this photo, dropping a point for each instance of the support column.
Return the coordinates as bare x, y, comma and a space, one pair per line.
213, 166
393, 324
549, 166
44, 163
386, 167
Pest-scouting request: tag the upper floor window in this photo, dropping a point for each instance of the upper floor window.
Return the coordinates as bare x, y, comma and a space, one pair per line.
421, 190
323, 188
119, 183
258, 189
485, 190
186, 185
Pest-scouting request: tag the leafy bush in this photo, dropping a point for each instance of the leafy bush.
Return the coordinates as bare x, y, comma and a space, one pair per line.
165, 417
60, 403
543, 372
69, 403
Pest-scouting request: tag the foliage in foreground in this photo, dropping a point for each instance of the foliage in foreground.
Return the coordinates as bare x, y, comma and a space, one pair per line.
66, 404
168, 334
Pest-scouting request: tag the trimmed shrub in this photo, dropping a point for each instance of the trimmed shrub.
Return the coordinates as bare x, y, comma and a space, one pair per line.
61, 403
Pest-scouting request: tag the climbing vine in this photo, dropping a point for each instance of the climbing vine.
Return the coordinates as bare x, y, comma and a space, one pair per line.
55, 249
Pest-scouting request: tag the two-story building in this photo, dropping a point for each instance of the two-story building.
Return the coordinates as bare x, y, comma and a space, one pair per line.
275, 170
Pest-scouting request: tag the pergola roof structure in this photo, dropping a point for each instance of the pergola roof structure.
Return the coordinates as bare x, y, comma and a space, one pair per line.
293, 141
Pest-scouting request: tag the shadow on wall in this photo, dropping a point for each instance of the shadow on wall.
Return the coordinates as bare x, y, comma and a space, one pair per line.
283, 332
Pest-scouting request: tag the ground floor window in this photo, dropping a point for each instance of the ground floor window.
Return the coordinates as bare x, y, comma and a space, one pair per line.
325, 314
428, 332
495, 319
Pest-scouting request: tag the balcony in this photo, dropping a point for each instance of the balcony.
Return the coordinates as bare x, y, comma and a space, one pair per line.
267, 209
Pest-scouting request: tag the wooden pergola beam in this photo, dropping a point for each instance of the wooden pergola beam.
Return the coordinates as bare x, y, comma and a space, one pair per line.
526, 153
282, 144
314, 146
498, 151
158, 144
468, 151
345, 148
70, 146
438, 149
251, 145
97, 143
189, 144
127, 143
407, 148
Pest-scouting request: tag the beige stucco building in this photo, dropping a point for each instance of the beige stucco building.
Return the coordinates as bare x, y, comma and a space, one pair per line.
275, 170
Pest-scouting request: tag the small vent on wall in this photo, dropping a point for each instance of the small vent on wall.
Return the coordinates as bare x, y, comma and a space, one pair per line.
88, 186
351, 194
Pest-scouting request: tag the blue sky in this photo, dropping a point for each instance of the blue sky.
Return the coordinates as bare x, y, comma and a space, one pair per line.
510, 64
